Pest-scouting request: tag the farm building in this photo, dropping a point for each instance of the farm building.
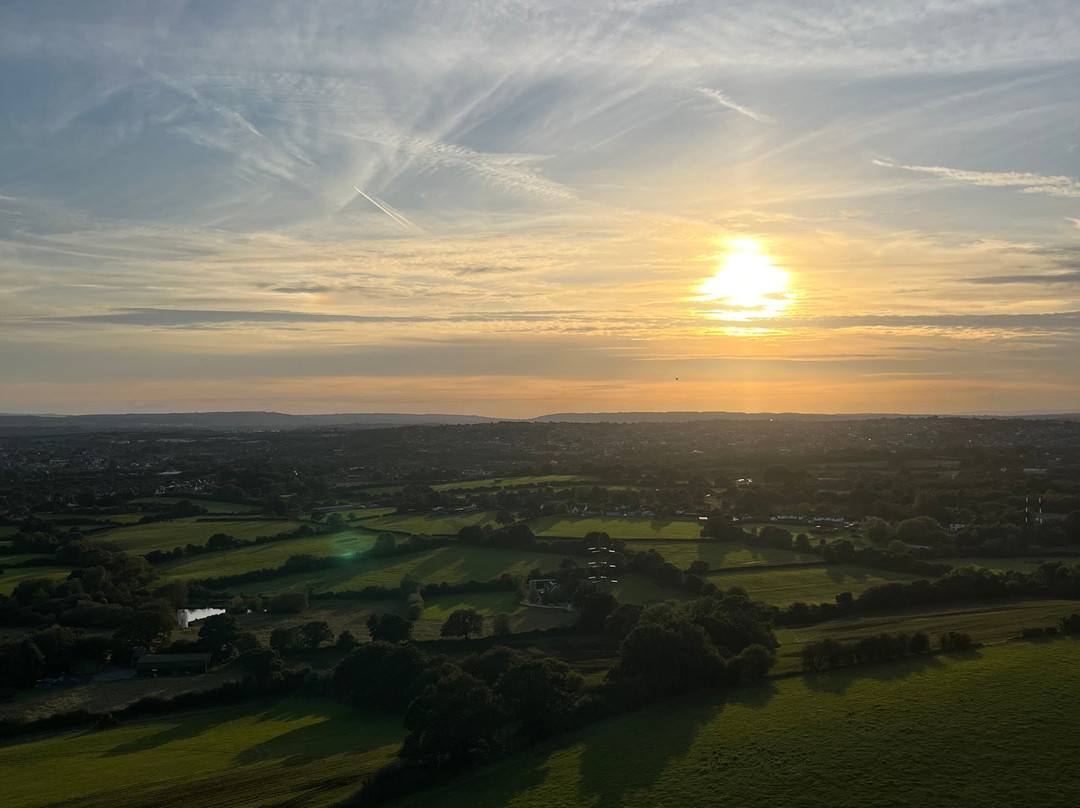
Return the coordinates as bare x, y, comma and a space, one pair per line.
172, 664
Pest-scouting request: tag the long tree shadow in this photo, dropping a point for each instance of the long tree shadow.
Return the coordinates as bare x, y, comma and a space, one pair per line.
333, 733
633, 751
180, 729
838, 680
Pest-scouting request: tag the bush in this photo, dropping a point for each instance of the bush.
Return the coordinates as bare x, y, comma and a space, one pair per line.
288, 603
954, 641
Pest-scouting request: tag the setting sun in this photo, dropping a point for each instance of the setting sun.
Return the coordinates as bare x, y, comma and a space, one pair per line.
747, 284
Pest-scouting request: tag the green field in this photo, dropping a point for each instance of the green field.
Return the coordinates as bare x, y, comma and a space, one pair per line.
795, 530
721, 555
300, 752
618, 527
1005, 564
348, 543
181, 532
994, 727
11, 578
986, 623
430, 524
211, 505
18, 558
513, 482
454, 564
810, 585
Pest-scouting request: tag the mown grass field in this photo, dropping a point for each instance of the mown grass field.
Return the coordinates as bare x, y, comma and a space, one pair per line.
453, 564
809, 585
723, 555
6, 560
211, 505
349, 615
181, 532
991, 622
1005, 564
994, 727
618, 527
795, 530
514, 482
300, 752
429, 524
11, 578
348, 543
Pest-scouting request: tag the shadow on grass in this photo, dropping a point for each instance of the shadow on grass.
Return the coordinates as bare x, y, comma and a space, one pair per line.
838, 680
635, 751
179, 729
333, 733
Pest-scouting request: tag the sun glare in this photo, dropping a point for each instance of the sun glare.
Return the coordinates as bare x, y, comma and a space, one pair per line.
747, 286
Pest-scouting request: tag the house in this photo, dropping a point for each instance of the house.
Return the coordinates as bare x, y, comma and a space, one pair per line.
172, 664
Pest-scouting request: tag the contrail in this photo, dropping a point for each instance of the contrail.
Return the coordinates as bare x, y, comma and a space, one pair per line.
397, 217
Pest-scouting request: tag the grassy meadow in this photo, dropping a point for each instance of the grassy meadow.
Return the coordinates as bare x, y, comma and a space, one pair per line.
348, 543
723, 555
1006, 564
515, 482
986, 728
452, 564
211, 505
991, 622
300, 752
431, 524
813, 584
618, 527
181, 532
11, 578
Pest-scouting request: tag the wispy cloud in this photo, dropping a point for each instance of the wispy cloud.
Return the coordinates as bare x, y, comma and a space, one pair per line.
1046, 278
1027, 183
725, 101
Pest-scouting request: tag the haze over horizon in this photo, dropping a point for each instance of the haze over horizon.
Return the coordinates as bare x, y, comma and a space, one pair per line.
533, 207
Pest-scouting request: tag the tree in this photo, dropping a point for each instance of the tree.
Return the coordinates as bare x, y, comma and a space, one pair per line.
346, 641
379, 675
263, 666
462, 623
752, 663
541, 694
220, 541
148, 626
504, 518
389, 628
669, 656
453, 722
500, 625
218, 634
284, 639
315, 633
878, 531
287, 603
385, 545
898, 547
593, 606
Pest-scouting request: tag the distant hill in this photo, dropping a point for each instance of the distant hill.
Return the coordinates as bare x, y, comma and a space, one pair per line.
669, 417
256, 420
242, 421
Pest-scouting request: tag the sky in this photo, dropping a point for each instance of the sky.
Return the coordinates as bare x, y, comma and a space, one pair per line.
521, 207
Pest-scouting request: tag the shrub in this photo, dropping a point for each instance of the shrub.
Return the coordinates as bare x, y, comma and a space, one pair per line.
288, 603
